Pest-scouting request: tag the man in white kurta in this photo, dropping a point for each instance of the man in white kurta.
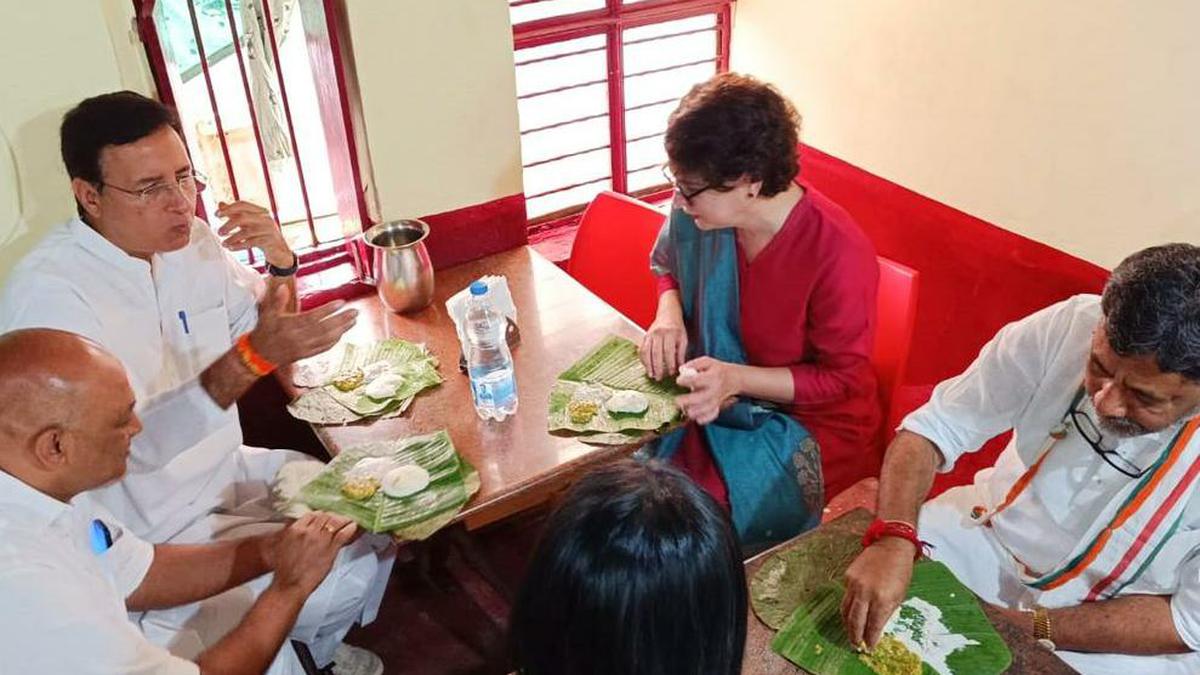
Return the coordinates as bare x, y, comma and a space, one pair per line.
1054, 524
158, 289
68, 569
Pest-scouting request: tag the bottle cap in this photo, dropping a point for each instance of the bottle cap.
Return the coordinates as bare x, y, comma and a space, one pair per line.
479, 288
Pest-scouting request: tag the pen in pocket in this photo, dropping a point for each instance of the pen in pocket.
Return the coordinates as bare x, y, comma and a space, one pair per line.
183, 320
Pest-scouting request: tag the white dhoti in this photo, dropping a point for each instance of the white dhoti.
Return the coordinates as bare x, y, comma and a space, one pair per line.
982, 564
350, 594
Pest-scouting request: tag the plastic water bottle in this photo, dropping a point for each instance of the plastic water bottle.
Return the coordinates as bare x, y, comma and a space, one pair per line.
489, 362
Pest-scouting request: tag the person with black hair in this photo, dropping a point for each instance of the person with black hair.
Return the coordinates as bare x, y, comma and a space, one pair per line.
138, 273
638, 572
766, 312
1087, 529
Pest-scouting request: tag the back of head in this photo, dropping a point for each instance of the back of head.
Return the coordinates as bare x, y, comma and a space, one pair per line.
116, 118
1152, 307
638, 573
733, 126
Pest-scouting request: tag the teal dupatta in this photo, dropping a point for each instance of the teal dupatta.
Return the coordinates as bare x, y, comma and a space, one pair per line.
769, 462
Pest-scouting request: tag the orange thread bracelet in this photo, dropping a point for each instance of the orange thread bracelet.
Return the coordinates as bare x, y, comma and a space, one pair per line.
252, 359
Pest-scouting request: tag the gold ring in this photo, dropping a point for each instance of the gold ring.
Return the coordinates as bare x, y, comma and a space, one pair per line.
329, 528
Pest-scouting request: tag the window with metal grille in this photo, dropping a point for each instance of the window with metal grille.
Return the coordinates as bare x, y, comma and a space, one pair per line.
240, 74
596, 80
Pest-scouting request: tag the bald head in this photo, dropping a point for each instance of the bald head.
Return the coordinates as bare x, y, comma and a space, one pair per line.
68, 411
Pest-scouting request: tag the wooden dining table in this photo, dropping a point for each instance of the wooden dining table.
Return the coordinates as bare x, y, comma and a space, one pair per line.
759, 659
520, 463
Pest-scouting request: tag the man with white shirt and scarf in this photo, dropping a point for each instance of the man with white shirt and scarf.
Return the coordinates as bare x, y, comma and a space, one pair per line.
140, 275
1087, 529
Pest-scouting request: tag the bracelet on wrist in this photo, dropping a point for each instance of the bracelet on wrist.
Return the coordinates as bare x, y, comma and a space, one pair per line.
255, 362
895, 528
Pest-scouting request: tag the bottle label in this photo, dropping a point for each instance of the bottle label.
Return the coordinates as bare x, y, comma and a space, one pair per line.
494, 391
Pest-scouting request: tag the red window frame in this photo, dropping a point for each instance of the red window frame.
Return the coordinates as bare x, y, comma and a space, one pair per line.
341, 114
612, 21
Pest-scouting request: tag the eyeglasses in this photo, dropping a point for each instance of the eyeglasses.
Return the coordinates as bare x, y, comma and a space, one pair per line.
687, 196
1091, 433
163, 192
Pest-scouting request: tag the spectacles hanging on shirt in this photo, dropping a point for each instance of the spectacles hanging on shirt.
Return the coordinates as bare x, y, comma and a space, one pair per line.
1092, 434
163, 192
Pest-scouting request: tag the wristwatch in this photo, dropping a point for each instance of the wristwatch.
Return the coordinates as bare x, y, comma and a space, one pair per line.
1041, 629
284, 271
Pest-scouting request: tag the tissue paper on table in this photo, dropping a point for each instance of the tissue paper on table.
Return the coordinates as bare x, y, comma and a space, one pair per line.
498, 294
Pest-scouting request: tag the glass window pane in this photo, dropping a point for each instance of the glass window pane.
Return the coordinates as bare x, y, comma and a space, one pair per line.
584, 168
656, 53
648, 152
531, 11
646, 178
562, 71
540, 206
562, 106
649, 120
555, 141
666, 84
670, 27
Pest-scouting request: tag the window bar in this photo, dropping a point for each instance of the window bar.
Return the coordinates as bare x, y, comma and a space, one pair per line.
724, 24
287, 113
674, 67
657, 134
566, 156
651, 104
553, 57
212, 100
616, 101
262, 153
564, 123
556, 90
656, 38
566, 187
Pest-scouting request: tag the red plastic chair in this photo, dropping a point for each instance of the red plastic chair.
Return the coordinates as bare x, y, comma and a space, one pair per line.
611, 254
897, 313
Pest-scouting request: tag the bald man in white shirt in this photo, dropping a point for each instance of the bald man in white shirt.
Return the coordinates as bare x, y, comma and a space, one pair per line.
140, 275
69, 571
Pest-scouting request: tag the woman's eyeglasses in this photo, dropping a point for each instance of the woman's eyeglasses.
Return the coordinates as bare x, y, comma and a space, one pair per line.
1091, 433
688, 196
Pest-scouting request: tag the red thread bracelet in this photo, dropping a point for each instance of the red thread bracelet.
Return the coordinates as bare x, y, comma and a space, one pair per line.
254, 361
894, 528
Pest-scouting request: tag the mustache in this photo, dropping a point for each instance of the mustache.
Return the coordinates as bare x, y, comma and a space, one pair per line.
1122, 427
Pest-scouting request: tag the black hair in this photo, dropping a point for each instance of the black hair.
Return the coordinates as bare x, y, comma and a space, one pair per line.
1152, 307
638, 572
732, 126
116, 118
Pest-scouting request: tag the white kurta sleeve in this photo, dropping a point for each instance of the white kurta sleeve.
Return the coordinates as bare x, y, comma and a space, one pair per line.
1185, 603
55, 622
244, 287
988, 397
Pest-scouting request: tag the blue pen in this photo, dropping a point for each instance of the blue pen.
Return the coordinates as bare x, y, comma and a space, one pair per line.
101, 537
183, 319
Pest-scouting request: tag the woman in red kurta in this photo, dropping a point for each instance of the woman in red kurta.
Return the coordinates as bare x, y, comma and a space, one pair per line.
806, 282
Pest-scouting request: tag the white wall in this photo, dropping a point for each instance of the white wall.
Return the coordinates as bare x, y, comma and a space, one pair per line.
439, 102
1074, 123
437, 82
53, 53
